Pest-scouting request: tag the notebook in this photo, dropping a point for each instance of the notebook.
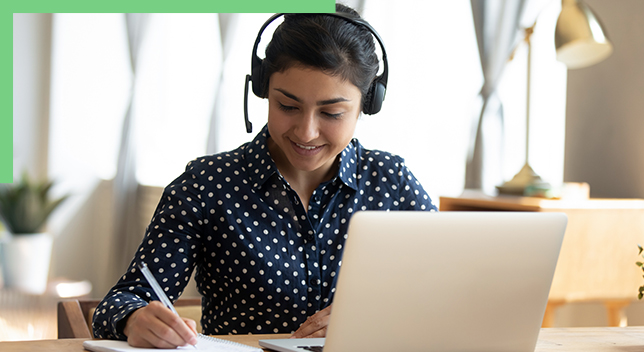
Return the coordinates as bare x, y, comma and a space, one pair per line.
450, 281
205, 343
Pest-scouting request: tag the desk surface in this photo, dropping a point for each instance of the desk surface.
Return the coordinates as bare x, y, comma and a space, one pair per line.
550, 339
475, 200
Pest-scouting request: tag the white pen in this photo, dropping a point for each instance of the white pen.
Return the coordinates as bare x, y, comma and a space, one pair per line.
157, 289
155, 286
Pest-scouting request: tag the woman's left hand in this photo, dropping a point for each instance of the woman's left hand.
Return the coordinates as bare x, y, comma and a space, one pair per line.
315, 325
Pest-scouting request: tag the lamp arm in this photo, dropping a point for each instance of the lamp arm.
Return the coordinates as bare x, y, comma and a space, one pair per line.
529, 32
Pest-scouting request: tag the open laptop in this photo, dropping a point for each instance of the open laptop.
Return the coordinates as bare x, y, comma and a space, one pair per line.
450, 281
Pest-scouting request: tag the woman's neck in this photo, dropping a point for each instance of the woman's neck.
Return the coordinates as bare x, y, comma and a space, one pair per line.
302, 182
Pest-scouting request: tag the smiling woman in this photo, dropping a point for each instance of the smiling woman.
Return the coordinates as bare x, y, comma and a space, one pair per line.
264, 225
311, 127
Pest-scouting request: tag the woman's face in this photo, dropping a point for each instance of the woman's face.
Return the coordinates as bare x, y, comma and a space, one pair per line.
311, 117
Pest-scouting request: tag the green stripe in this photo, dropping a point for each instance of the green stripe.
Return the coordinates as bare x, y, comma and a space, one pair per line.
6, 96
9, 7
267, 6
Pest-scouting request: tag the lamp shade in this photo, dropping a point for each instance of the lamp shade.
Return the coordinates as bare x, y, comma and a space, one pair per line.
579, 37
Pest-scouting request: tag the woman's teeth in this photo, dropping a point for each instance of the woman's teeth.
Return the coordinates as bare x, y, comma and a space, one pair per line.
306, 147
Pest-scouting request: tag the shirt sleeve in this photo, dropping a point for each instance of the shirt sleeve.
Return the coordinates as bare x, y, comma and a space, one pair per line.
170, 248
412, 195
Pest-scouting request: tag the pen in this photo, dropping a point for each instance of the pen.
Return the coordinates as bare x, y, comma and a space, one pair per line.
157, 289
155, 286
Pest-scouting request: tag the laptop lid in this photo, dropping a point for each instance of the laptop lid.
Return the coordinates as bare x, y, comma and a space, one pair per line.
450, 281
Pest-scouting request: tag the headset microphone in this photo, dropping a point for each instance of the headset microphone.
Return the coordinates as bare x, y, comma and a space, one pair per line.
249, 125
376, 92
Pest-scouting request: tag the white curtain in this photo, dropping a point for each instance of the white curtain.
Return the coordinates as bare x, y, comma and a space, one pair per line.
434, 77
129, 92
497, 145
227, 109
125, 185
497, 32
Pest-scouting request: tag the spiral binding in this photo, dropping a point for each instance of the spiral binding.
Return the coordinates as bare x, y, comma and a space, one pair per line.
228, 342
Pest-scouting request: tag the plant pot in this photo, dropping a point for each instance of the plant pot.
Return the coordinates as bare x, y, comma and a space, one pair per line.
25, 262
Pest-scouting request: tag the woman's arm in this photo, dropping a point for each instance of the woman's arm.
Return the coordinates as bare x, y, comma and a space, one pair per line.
170, 248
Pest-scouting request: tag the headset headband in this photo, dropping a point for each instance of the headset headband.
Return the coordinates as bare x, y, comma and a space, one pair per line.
376, 91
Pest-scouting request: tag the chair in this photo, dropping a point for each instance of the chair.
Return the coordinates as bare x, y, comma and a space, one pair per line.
75, 316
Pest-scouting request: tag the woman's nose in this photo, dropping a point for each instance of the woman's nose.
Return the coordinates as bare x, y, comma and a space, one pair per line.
307, 127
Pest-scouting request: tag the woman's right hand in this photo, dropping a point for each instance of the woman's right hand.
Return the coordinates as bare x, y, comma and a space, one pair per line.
157, 326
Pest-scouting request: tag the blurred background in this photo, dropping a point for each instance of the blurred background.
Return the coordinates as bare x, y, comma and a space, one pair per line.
111, 107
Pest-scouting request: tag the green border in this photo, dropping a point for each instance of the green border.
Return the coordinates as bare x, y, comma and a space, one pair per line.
230, 6
9, 7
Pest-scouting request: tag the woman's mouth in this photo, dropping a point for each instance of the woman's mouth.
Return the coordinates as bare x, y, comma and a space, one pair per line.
306, 149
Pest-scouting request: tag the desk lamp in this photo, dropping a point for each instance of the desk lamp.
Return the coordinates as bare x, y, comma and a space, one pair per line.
580, 42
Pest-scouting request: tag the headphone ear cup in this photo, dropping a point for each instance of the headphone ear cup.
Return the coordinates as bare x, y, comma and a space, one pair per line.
373, 100
256, 77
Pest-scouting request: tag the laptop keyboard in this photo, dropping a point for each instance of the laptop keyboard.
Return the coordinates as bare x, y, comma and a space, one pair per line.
312, 348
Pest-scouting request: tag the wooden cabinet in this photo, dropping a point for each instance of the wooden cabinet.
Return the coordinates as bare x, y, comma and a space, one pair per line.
599, 251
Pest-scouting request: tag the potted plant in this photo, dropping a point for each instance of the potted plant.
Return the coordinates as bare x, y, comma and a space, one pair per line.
25, 207
641, 265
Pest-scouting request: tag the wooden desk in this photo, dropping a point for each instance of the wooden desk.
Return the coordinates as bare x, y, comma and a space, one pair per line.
76, 345
550, 339
598, 255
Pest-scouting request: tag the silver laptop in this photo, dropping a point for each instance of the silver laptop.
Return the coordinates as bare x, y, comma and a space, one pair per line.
450, 281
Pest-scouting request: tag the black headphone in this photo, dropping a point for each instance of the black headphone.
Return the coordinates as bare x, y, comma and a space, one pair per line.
373, 99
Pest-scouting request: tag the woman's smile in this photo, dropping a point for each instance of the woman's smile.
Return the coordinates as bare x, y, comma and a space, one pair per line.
312, 117
307, 149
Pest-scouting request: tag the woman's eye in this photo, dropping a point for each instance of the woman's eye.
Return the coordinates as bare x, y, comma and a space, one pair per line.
333, 116
286, 107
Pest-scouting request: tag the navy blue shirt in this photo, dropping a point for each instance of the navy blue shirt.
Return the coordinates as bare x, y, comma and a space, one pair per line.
263, 262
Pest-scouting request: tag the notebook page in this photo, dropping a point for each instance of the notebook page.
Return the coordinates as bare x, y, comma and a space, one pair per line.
205, 343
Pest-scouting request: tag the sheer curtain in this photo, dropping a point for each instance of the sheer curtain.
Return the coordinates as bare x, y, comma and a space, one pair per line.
90, 88
131, 100
497, 32
434, 77
497, 146
125, 183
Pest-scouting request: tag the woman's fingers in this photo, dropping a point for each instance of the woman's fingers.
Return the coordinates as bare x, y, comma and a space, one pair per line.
157, 326
191, 324
315, 325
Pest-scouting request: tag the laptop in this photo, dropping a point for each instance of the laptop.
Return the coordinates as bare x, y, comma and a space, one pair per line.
448, 281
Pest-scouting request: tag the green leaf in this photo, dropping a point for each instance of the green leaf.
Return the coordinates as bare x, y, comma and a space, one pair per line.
25, 206
641, 249
639, 263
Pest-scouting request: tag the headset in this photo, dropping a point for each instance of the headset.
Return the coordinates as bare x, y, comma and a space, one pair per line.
375, 94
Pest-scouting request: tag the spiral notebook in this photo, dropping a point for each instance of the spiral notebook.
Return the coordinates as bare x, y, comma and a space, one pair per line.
205, 343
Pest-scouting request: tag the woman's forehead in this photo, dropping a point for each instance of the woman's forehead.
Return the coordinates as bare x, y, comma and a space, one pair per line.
306, 80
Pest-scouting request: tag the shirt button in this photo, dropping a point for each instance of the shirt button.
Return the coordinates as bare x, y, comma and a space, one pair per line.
313, 282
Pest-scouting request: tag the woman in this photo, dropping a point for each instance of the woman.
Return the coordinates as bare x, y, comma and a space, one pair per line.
264, 224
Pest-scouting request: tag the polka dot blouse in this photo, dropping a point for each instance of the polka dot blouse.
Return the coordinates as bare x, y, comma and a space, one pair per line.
263, 262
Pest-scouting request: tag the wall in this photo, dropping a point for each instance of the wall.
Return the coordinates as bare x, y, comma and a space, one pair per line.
605, 128
605, 109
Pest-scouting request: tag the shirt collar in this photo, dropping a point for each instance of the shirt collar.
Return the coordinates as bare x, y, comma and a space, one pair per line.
259, 163
348, 165
261, 167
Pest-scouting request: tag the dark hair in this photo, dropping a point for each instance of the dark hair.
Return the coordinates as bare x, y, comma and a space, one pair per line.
331, 44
